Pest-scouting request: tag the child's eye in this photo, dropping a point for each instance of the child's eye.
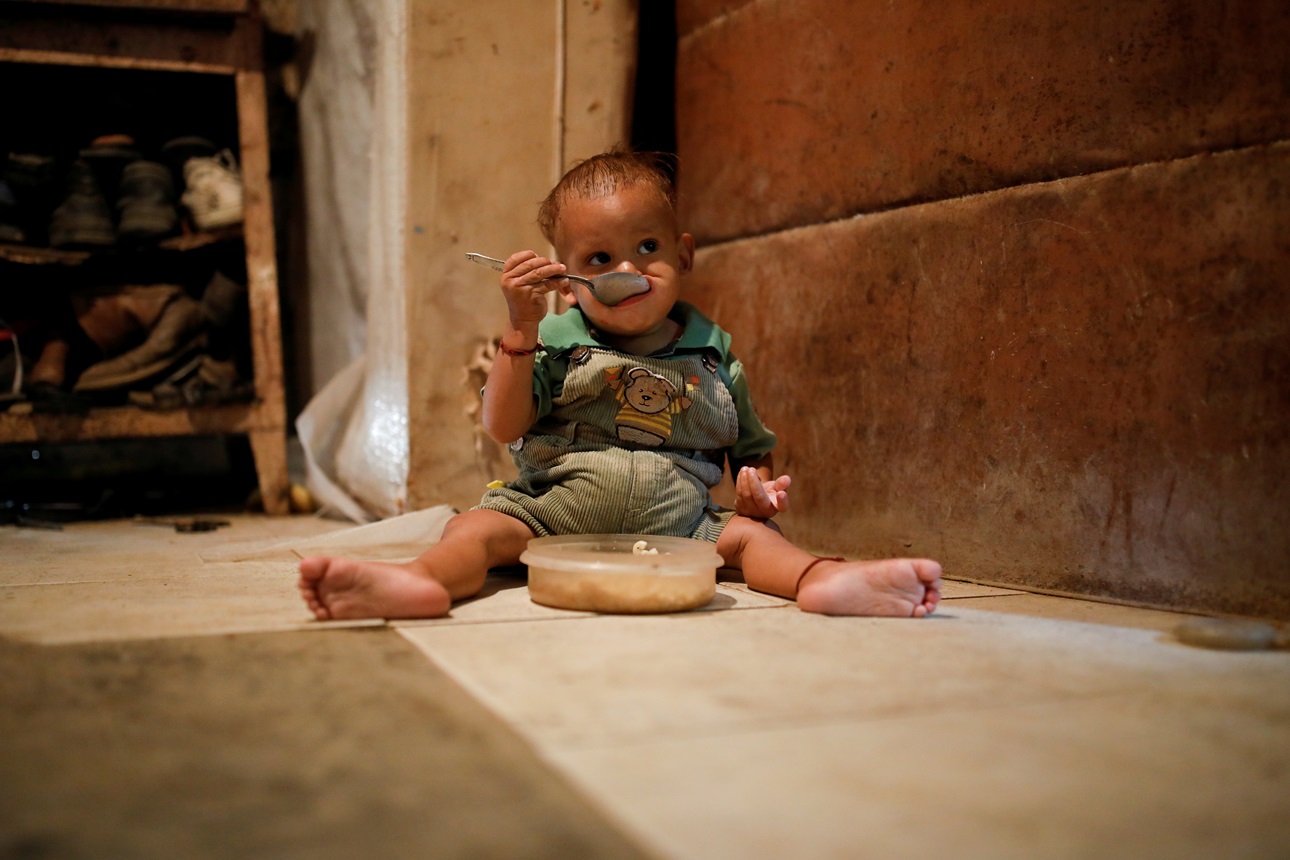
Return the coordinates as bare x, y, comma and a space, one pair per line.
600, 258
649, 246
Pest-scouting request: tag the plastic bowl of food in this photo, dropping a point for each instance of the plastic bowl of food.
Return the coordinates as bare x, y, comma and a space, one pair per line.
621, 573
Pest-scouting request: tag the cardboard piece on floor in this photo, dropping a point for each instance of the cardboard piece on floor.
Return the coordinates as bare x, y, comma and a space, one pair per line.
197, 601
402, 537
126, 550
124, 579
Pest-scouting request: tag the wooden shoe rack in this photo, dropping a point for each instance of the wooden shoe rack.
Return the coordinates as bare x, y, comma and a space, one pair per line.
206, 38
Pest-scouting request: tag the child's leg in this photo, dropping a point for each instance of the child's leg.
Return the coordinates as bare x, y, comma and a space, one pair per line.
770, 563
452, 569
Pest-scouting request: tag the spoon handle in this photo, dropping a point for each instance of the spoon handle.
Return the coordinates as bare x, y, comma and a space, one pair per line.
491, 262
497, 265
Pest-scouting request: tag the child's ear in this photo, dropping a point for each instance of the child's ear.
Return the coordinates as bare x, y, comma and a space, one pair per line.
567, 293
686, 254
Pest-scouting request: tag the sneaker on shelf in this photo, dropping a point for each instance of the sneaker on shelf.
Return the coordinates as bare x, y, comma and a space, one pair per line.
108, 155
10, 223
146, 204
83, 219
33, 179
176, 152
213, 191
223, 300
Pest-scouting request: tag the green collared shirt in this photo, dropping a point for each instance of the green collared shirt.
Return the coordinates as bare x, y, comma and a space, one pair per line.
559, 335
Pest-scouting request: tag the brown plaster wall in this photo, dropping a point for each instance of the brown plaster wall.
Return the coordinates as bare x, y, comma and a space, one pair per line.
825, 108
1029, 319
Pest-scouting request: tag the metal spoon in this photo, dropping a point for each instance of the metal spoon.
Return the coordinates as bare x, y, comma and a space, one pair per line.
609, 288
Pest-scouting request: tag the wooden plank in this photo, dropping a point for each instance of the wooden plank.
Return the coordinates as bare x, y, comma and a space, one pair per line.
269, 448
127, 422
211, 44
600, 60
472, 184
261, 260
269, 444
220, 7
40, 256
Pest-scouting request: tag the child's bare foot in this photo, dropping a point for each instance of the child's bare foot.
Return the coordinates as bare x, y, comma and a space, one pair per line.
899, 587
344, 588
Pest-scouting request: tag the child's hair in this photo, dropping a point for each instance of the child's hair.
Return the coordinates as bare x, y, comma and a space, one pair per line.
605, 174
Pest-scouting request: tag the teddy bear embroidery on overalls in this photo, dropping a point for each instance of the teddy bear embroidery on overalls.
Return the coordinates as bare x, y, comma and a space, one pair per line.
649, 402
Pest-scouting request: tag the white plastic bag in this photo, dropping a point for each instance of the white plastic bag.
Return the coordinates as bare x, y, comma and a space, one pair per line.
348, 475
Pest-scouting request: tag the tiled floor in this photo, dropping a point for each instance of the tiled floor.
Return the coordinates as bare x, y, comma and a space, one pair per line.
1007, 725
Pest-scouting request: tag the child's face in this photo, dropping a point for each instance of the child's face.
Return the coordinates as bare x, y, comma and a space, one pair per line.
633, 231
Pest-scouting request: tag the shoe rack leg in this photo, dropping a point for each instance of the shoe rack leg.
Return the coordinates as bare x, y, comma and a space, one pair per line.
261, 259
268, 444
269, 448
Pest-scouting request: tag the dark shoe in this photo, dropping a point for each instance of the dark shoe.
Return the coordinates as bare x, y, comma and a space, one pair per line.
83, 219
180, 331
10, 229
224, 300
33, 179
175, 153
107, 156
146, 203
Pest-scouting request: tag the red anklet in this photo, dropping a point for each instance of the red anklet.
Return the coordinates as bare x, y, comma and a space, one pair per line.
807, 569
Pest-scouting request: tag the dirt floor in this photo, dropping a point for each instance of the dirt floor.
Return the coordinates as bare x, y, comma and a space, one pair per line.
331, 744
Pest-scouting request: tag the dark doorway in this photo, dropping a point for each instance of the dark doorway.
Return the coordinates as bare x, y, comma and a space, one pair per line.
654, 105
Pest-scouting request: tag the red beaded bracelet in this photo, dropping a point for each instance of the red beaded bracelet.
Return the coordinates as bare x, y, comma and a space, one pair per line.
516, 352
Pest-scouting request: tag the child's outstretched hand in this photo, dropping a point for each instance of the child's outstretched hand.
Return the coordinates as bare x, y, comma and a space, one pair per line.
526, 279
760, 499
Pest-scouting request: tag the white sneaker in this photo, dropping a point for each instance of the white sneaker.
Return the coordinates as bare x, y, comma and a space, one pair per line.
213, 193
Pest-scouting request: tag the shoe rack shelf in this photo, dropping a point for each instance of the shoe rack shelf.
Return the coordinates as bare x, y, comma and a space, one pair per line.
217, 37
35, 256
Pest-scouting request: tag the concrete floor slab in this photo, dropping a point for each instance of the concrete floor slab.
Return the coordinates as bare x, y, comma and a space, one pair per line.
1133, 775
306, 745
636, 677
1008, 724
994, 734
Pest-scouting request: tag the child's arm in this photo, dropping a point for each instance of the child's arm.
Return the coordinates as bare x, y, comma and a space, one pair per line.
756, 495
509, 409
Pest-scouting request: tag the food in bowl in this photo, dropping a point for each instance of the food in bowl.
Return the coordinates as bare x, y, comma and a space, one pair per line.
607, 573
